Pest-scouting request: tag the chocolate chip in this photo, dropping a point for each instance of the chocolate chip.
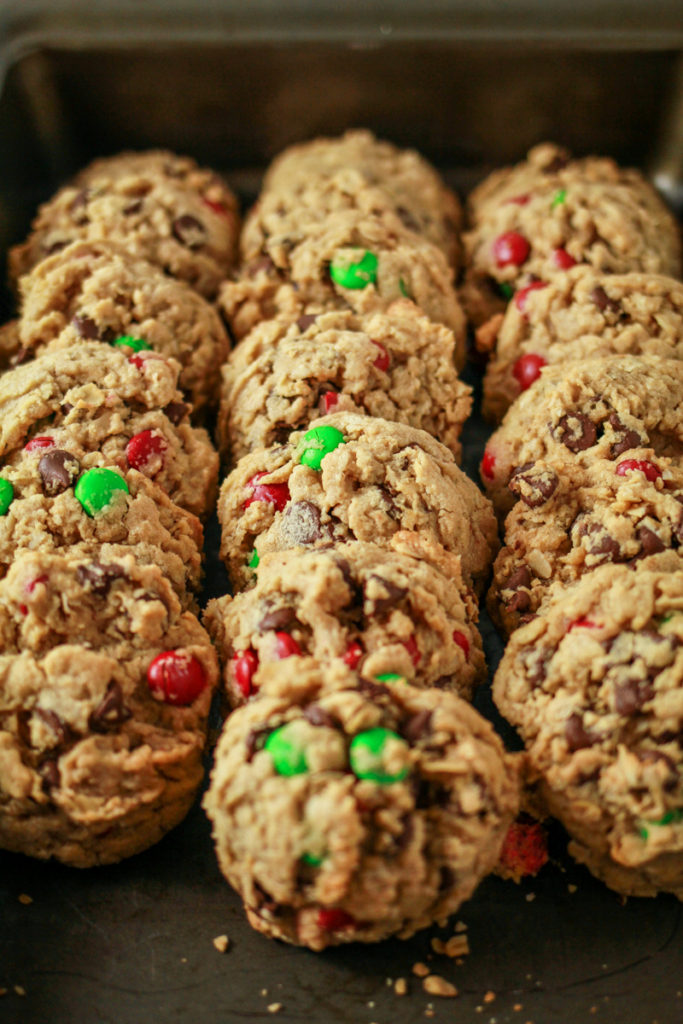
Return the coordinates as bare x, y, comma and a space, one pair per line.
301, 523
318, 716
255, 268
602, 300
189, 231
417, 726
56, 724
305, 321
598, 541
49, 773
58, 470
519, 602
20, 356
54, 247
407, 219
278, 618
371, 689
65, 408
630, 696
176, 411
534, 489
392, 595
265, 900
133, 207
256, 740
79, 201
629, 438
577, 737
111, 711
519, 578
98, 577
576, 432
86, 327
558, 163
649, 541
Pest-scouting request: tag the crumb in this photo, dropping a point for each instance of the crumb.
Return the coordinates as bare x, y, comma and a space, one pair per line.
389, 982
489, 997
274, 1007
457, 945
183, 959
438, 945
420, 969
25, 899
525, 849
371, 1004
530, 897
429, 1012
3, 991
478, 1008
264, 991
401, 986
572, 888
460, 926
435, 985
593, 1009
221, 943
517, 1007
20, 990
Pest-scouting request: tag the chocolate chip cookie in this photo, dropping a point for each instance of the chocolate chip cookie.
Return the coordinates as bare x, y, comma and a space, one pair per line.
344, 810
399, 611
358, 169
350, 259
581, 314
593, 684
582, 411
95, 291
352, 477
106, 408
397, 365
105, 689
571, 519
158, 206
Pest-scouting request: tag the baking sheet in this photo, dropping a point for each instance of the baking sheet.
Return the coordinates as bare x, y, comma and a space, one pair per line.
134, 942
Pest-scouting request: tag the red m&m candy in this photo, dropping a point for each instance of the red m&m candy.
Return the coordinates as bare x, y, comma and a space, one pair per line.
37, 443
286, 645
145, 452
462, 642
413, 650
650, 471
521, 295
354, 652
510, 249
244, 665
382, 362
328, 401
333, 920
527, 369
562, 260
276, 494
176, 678
487, 464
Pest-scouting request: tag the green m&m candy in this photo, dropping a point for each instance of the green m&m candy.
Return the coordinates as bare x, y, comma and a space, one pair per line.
6, 495
312, 859
506, 290
127, 341
253, 560
559, 198
390, 677
670, 818
319, 442
355, 275
97, 487
367, 755
285, 747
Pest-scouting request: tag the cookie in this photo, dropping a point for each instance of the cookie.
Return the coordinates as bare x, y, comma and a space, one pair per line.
546, 164
158, 206
105, 689
582, 411
593, 684
352, 477
347, 811
351, 259
615, 228
571, 519
397, 365
580, 315
357, 165
109, 410
399, 610
11, 352
95, 291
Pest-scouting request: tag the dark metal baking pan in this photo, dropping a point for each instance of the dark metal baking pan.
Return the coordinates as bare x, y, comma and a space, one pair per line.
471, 85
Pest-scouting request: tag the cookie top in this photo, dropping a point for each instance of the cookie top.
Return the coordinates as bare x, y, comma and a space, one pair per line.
352, 477
614, 227
96, 291
396, 610
347, 811
598, 408
546, 164
102, 734
594, 686
571, 518
397, 365
350, 259
356, 165
158, 206
581, 314
115, 411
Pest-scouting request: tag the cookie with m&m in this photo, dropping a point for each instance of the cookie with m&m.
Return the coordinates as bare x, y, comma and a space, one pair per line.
105, 686
593, 685
347, 810
399, 611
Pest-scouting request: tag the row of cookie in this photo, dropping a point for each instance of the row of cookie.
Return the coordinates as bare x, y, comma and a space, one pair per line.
106, 673
343, 797
587, 464
134, 248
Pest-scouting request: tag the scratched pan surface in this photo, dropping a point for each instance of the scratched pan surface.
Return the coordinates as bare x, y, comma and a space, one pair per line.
133, 942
